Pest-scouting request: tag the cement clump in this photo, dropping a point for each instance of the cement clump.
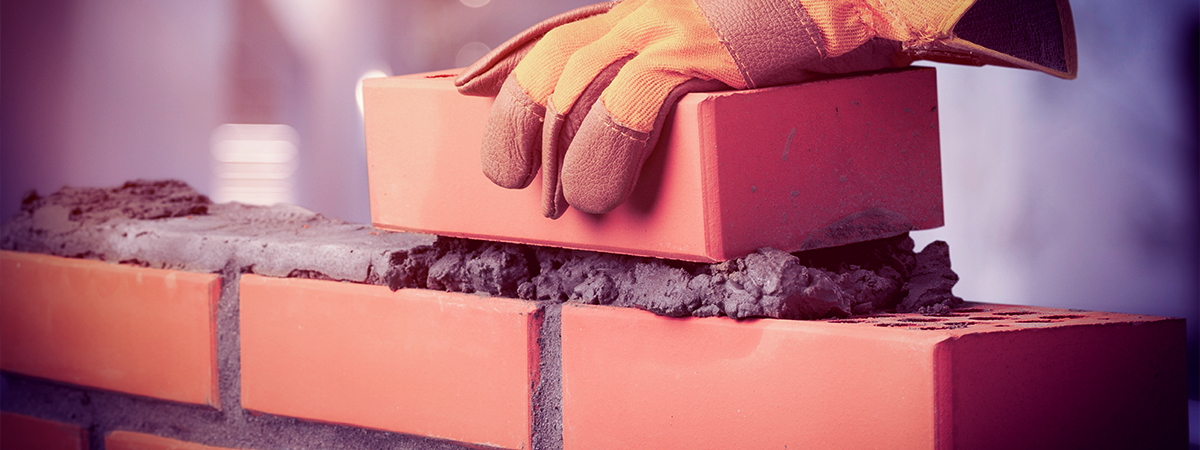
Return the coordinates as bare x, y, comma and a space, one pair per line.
857, 279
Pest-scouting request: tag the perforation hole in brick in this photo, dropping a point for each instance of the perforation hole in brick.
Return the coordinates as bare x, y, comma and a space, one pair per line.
979, 317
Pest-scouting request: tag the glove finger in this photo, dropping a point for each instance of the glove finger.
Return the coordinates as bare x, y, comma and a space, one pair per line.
512, 141
672, 49
540, 72
672, 42
512, 137
602, 165
485, 77
580, 72
558, 132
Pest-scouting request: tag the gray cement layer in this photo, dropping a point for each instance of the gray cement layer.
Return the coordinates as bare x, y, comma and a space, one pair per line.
166, 224
281, 241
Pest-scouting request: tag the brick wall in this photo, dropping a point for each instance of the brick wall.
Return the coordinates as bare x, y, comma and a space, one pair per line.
146, 317
101, 355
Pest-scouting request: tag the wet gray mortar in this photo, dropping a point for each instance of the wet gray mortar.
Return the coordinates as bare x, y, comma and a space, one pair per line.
166, 224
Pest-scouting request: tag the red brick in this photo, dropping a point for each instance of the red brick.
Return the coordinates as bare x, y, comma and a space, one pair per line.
737, 171
128, 440
18, 432
1012, 377
445, 365
141, 331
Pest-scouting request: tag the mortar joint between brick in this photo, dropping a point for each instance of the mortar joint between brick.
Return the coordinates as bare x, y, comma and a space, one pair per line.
547, 395
229, 343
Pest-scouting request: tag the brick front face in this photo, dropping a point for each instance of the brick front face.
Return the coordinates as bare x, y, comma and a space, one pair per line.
631, 379
148, 332
445, 365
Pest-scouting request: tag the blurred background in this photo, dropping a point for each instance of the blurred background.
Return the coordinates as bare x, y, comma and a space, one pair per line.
1077, 194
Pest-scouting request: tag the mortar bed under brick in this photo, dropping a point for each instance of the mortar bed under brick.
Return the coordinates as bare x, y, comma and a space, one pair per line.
167, 224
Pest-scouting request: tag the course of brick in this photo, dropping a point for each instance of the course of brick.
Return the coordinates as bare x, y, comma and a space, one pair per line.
124, 440
314, 349
22, 432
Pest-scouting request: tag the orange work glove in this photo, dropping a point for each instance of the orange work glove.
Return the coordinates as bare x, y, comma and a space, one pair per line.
584, 94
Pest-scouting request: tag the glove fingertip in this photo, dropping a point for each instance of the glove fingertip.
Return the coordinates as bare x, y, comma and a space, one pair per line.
511, 142
553, 202
602, 165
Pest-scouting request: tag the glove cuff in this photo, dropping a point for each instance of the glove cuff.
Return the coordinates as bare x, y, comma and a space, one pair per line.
771, 41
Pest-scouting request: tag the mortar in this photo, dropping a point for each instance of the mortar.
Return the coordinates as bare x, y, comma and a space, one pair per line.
167, 224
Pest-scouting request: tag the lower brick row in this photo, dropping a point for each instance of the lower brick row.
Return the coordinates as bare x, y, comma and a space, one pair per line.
19, 432
469, 369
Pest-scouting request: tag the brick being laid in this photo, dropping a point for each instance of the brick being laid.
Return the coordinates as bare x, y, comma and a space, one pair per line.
444, 365
794, 167
142, 331
982, 377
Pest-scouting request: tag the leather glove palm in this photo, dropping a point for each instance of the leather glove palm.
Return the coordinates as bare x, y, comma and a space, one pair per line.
584, 94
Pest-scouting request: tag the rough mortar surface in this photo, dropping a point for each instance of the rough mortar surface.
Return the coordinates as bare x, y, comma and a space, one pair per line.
167, 224
547, 393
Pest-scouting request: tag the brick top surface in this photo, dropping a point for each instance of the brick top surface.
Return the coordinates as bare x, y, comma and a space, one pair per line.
973, 318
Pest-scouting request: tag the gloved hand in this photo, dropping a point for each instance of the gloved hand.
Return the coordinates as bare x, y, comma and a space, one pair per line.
584, 94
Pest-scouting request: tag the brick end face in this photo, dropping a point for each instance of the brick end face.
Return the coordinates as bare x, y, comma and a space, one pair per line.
1113, 385
829, 162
